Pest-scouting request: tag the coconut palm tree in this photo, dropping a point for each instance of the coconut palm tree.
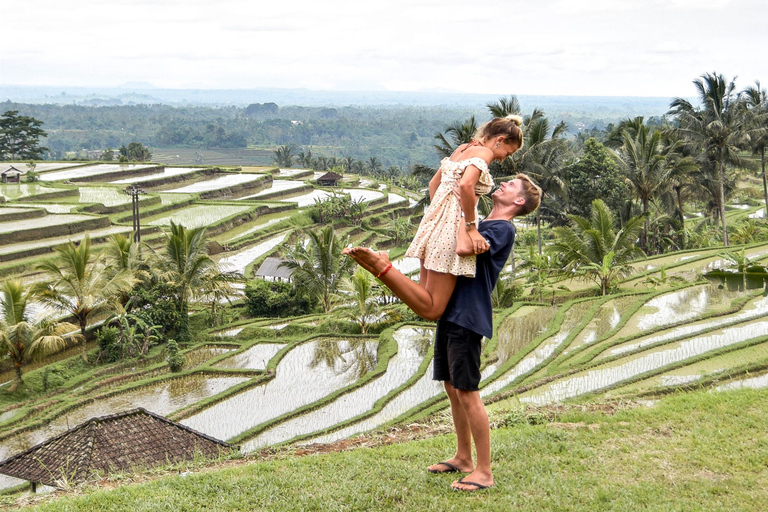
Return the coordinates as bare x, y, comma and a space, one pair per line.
594, 250
23, 339
284, 156
81, 284
642, 157
459, 133
319, 267
716, 129
186, 266
756, 101
364, 308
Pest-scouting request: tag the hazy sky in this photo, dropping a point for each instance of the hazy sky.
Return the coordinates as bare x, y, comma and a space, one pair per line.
553, 47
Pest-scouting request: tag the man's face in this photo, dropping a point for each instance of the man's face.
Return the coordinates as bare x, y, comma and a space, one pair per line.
508, 192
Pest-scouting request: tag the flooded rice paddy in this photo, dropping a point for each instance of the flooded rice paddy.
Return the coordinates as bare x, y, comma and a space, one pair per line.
166, 173
276, 186
40, 222
198, 216
412, 347
229, 180
255, 358
92, 170
238, 261
305, 368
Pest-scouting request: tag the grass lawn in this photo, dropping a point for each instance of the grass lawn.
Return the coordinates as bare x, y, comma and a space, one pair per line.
695, 451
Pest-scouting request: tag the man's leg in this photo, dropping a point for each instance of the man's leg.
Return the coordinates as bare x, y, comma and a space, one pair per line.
463, 458
477, 418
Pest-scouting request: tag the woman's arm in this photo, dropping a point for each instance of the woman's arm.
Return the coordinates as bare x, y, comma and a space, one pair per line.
469, 240
434, 183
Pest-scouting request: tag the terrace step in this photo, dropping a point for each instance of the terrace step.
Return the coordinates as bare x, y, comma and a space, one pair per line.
49, 226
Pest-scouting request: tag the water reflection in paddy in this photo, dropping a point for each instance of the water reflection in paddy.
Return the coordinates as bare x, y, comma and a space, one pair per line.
255, 358
303, 376
621, 370
412, 343
756, 308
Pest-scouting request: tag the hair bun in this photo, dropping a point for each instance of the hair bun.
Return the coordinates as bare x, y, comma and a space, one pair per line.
515, 118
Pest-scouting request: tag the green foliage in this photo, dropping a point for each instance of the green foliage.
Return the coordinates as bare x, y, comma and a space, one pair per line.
109, 344
319, 268
277, 299
174, 358
156, 304
20, 137
594, 249
32, 176
135, 152
595, 176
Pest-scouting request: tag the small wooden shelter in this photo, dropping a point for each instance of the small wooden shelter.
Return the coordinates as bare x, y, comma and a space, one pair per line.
11, 175
329, 179
270, 270
125, 441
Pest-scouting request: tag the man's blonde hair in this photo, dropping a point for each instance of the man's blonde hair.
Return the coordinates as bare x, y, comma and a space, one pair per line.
531, 194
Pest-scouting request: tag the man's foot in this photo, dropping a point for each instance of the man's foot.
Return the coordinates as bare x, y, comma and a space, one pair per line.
451, 466
475, 481
373, 262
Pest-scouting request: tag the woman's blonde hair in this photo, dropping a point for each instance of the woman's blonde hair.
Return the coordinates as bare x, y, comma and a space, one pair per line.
508, 127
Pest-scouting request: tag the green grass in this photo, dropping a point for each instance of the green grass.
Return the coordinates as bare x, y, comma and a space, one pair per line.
694, 451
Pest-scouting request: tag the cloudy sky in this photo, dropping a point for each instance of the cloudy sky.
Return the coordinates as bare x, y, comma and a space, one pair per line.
550, 47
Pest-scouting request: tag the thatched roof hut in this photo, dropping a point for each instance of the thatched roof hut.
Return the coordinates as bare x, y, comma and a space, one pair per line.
125, 441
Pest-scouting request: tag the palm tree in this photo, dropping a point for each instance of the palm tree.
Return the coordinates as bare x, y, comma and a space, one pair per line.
21, 338
594, 250
756, 101
121, 255
187, 267
82, 285
716, 129
374, 165
305, 158
504, 107
364, 307
284, 156
642, 156
459, 133
319, 267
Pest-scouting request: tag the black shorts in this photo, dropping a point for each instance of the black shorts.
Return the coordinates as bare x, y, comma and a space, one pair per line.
457, 356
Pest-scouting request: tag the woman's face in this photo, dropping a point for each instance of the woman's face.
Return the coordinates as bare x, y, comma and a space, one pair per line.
504, 150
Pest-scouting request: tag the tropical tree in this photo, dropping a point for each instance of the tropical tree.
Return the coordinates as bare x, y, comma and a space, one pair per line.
22, 338
20, 137
186, 266
644, 161
81, 284
364, 309
756, 101
284, 156
593, 249
305, 158
374, 165
458, 133
135, 152
319, 267
716, 129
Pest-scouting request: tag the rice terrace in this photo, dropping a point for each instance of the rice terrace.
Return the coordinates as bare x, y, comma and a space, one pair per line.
279, 347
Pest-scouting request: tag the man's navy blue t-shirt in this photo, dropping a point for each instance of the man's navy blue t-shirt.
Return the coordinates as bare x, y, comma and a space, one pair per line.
470, 305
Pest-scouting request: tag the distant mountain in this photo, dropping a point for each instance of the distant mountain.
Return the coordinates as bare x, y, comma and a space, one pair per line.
603, 107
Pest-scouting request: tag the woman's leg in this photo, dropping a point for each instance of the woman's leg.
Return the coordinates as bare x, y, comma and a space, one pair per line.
428, 303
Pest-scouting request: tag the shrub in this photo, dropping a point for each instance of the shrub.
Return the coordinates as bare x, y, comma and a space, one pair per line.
276, 299
108, 339
174, 359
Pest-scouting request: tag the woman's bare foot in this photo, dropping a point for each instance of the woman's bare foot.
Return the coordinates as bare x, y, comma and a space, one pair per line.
373, 262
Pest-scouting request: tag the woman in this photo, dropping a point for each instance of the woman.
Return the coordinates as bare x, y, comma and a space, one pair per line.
447, 239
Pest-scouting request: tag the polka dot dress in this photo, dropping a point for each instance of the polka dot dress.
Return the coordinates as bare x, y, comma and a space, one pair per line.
435, 240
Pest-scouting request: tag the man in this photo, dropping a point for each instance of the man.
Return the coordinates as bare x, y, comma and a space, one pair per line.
467, 317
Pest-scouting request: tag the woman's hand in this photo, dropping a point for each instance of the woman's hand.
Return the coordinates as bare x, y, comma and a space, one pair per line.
479, 244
